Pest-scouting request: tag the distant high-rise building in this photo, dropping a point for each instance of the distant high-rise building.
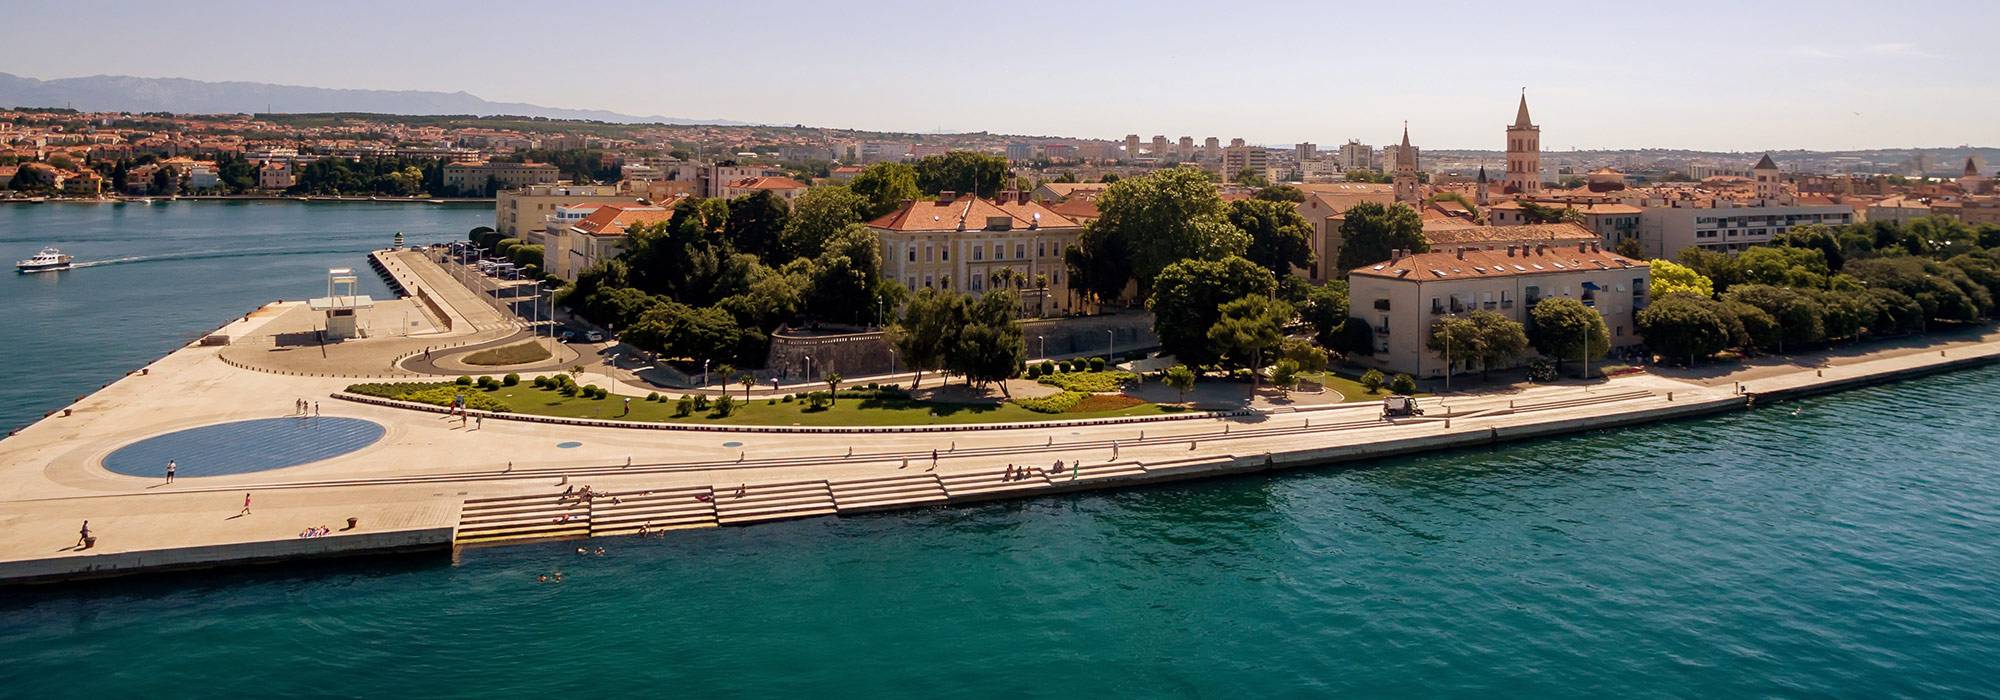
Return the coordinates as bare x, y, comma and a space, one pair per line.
1239, 157
1211, 149
1306, 151
1160, 147
1524, 154
1355, 155
1187, 148
1131, 146
1020, 152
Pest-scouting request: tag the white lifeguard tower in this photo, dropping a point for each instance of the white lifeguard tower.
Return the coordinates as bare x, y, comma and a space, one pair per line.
340, 303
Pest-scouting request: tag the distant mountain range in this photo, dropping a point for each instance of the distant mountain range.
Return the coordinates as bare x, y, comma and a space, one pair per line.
124, 93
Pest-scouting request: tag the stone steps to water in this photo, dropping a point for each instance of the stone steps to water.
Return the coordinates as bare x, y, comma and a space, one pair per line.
992, 484
862, 495
654, 510
1107, 471
507, 518
755, 503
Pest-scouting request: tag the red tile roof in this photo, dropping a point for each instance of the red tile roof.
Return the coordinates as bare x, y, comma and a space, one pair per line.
614, 219
967, 212
1442, 265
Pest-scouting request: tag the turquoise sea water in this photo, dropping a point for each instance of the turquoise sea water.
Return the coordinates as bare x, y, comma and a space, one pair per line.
1846, 546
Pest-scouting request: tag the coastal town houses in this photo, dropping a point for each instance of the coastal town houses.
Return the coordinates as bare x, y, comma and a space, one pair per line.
784, 188
518, 212
597, 235
967, 243
480, 177
277, 176
1400, 298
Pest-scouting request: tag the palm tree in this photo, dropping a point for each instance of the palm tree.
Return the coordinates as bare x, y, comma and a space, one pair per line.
832, 386
747, 380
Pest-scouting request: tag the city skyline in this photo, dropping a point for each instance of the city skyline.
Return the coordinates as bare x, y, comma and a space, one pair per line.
1613, 78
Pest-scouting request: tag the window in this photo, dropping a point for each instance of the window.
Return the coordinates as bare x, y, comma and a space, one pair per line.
945, 254
927, 281
1041, 249
977, 283
913, 253
1020, 251
978, 253
1437, 305
930, 254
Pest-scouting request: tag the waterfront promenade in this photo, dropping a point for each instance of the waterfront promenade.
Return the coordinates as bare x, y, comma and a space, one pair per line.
431, 481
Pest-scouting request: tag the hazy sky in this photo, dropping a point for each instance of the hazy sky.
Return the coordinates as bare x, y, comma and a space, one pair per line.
1748, 75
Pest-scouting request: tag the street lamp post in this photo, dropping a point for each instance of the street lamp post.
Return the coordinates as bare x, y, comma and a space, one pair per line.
704, 373
1111, 345
1044, 342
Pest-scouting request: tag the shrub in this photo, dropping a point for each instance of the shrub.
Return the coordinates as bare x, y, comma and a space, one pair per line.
770, 402
788, 398
1090, 382
511, 379
725, 405
1540, 369
487, 383
701, 402
1097, 364
593, 391
462, 380
1053, 403
1034, 371
566, 389
1372, 380
818, 401
652, 396
1403, 384
434, 393
685, 406
1048, 367
543, 383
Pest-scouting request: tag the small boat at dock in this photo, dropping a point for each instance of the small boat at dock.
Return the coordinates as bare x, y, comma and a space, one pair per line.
48, 260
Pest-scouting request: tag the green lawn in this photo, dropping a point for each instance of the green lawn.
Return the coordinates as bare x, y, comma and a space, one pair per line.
516, 354
760, 411
1350, 390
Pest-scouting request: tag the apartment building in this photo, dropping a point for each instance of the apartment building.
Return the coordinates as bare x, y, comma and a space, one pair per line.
517, 212
476, 177
1402, 297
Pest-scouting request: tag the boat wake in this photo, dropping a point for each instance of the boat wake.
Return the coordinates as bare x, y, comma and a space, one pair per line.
214, 254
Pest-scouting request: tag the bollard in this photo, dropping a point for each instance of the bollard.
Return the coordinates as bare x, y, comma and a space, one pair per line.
1670, 397
1819, 373
1447, 424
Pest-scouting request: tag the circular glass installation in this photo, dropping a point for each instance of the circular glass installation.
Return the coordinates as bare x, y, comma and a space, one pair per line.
244, 446
732, 444
571, 445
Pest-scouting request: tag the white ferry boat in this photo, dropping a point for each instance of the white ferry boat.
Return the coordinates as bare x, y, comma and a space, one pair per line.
48, 260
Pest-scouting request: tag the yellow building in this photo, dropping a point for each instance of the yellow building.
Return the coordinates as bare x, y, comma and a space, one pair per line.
966, 243
1402, 297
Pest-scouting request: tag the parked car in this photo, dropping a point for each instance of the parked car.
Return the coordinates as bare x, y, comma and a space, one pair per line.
593, 337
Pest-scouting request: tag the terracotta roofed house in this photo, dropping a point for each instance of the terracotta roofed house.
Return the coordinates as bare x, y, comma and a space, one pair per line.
967, 243
598, 236
784, 187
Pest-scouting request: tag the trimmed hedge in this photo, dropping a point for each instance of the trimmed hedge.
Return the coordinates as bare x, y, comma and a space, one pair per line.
433, 393
1090, 382
1054, 403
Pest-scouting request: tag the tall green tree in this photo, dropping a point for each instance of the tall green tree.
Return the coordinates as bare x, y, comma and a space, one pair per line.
927, 332
756, 221
1188, 300
845, 275
990, 345
1280, 238
815, 217
1564, 329
1683, 325
1502, 340
1162, 218
1249, 330
1325, 308
1369, 231
885, 186
962, 172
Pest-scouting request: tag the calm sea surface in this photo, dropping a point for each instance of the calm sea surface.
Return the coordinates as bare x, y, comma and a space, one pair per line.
1846, 546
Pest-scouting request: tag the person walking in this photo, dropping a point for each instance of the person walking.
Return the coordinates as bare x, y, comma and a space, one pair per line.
170, 471
83, 535
479, 422
246, 504
315, 409
628, 407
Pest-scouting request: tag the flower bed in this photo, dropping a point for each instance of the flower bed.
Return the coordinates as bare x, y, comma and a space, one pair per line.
1090, 382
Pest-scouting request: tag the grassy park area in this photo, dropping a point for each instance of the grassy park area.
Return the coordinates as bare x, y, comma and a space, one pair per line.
517, 354
848, 410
